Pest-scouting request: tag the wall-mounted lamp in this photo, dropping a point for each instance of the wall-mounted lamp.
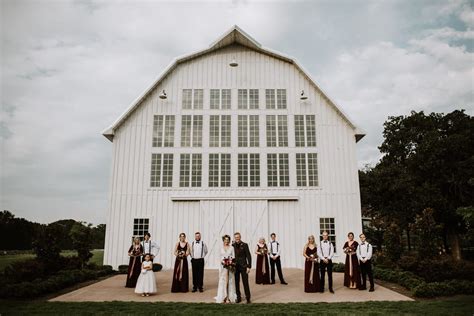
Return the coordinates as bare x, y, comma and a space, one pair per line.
303, 96
163, 95
233, 63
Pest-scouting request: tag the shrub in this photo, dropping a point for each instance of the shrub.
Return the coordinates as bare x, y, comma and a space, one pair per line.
404, 278
157, 267
444, 268
338, 267
123, 269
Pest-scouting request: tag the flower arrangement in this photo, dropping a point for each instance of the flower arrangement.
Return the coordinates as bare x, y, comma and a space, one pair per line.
349, 250
229, 264
181, 254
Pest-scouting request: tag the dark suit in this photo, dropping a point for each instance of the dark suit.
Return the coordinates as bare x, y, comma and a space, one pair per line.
243, 260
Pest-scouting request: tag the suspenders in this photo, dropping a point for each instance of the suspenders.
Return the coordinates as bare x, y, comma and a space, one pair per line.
202, 249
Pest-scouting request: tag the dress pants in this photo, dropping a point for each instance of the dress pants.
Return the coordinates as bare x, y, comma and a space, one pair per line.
276, 262
240, 271
198, 273
366, 270
322, 267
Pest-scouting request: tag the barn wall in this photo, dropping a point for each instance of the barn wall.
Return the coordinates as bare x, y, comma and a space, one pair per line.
131, 196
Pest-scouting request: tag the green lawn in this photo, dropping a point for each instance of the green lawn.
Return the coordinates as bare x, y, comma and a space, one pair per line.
454, 306
5, 260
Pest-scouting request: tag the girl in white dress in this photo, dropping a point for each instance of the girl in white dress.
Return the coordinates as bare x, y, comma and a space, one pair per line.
146, 283
226, 287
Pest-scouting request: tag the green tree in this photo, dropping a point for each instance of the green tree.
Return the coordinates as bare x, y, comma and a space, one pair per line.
81, 235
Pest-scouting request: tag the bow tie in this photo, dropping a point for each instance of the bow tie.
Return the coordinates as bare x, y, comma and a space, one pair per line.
363, 243
197, 241
325, 241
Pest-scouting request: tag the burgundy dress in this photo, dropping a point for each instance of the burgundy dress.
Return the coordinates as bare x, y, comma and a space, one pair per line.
351, 269
262, 275
134, 265
311, 272
181, 274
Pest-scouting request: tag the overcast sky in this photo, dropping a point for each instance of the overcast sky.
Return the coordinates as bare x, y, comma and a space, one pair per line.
70, 68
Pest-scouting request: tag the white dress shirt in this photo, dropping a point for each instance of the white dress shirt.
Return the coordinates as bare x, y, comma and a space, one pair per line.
150, 247
198, 249
274, 248
325, 250
364, 251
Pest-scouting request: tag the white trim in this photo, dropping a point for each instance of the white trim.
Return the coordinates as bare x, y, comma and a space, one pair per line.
218, 198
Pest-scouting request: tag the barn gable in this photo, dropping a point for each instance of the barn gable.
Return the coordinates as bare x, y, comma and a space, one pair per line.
233, 36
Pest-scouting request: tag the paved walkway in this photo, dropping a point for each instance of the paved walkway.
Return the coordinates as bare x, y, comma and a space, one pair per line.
113, 289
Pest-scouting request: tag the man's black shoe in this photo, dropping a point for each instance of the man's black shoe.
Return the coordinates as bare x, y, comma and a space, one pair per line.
238, 300
362, 289
371, 289
248, 301
201, 290
330, 290
284, 283
194, 290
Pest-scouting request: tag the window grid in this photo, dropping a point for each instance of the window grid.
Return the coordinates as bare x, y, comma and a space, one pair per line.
301, 179
242, 100
225, 99
253, 99
214, 99
281, 98
277, 131
161, 170
219, 170
158, 130
198, 100
214, 131
312, 170
140, 227
249, 170
191, 131
328, 224
270, 98
226, 127
278, 170
190, 173
299, 131
307, 170
243, 138
187, 99
311, 130
305, 130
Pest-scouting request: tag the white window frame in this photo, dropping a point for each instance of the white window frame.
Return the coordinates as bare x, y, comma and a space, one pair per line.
190, 175
164, 176
163, 136
252, 176
325, 225
281, 130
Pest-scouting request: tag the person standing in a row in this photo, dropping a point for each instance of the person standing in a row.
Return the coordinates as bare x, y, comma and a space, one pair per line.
351, 268
135, 263
311, 266
198, 252
262, 273
364, 254
180, 273
325, 254
274, 248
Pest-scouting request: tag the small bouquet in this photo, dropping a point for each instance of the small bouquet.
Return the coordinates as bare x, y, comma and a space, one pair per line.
263, 251
349, 250
181, 254
229, 264
313, 257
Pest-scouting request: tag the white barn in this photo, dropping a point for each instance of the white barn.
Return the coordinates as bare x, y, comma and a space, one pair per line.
232, 147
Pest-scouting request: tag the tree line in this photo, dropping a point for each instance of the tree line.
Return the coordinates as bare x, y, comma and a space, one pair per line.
22, 234
420, 194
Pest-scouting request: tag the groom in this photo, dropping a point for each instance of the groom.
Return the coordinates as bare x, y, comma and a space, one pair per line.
243, 261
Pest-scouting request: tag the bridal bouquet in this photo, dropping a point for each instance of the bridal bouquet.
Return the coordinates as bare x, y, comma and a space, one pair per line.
349, 250
263, 251
181, 254
229, 264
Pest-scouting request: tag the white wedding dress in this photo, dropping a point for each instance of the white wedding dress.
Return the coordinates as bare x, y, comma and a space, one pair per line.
226, 286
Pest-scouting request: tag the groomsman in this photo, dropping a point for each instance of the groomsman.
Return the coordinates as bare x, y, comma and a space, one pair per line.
198, 252
325, 254
364, 254
150, 246
275, 250
243, 264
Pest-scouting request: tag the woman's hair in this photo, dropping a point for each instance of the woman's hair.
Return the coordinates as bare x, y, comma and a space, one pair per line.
135, 239
225, 236
182, 234
261, 238
311, 237
350, 233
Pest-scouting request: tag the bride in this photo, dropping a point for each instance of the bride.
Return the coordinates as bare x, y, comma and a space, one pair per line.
226, 288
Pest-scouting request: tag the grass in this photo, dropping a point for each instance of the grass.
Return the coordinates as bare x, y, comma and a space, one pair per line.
460, 305
6, 260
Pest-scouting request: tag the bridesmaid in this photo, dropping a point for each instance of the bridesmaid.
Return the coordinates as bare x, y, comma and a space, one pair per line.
262, 276
311, 266
135, 263
181, 274
351, 269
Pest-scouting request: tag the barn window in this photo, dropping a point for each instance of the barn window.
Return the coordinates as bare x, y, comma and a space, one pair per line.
161, 170
305, 130
198, 99
328, 224
219, 170
270, 98
249, 131
281, 99
277, 131
191, 131
247, 99
190, 172
163, 130
275, 99
220, 99
277, 170
307, 170
219, 131
187, 99
249, 170
140, 227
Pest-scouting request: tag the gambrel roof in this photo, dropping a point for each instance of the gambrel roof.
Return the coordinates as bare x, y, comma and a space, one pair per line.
234, 35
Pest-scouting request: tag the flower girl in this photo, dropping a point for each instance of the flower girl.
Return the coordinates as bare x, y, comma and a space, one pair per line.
146, 283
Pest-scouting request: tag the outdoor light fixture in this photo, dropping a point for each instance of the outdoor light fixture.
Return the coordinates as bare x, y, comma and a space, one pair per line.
303, 96
233, 63
163, 95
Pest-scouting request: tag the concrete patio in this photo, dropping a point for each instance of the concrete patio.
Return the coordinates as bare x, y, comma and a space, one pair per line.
113, 289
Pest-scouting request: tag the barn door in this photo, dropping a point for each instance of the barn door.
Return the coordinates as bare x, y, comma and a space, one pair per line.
216, 221
251, 220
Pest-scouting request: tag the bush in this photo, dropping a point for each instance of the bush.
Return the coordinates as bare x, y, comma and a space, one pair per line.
157, 267
338, 267
404, 278
54, 283
445, 268
123, 269
447, 288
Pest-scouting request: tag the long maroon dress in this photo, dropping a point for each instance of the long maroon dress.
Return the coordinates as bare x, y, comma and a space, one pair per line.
134, 265
351, 269
262, 275
311, 272
180, 273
